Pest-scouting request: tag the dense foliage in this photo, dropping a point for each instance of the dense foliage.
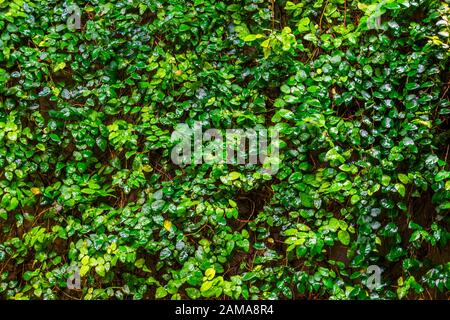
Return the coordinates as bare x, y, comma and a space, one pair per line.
86, 177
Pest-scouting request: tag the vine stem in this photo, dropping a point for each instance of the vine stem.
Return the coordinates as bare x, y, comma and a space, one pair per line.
345, 13
4, 266
446, 153
273, 13
323, 12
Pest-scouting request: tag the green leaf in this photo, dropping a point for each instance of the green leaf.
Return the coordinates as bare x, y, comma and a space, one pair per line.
367, 69
161, 292
344, 237
234, 175
282, 113
100, 269
295, 177
252, 37
385, 180
403, 178
306, 200
355, 199
210, 273
55, 137
206, 286
442, 175
303, 25
84, 270
101, 143
184, 27
88, 191
249, 276
28, 275
14, 203
165, 253
59, 66
193, 293
400, 189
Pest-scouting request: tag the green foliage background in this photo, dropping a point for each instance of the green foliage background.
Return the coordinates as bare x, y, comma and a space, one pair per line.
85, 172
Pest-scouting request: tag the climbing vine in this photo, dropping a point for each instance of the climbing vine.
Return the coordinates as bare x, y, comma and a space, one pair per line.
358, 91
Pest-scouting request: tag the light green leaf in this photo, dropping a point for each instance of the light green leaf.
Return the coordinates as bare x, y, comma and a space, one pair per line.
344, 237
